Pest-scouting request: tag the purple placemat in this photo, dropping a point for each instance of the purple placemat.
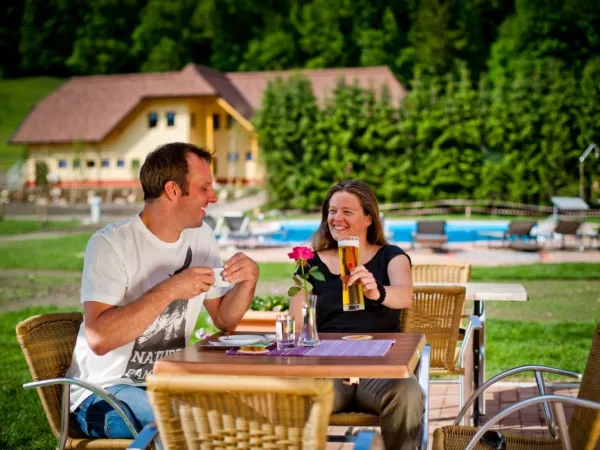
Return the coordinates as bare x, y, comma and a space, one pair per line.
374, 347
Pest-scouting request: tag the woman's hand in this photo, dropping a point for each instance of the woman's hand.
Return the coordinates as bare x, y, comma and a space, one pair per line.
367, 280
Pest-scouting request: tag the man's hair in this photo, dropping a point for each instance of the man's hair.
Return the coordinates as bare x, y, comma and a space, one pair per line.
322, 239
168, 163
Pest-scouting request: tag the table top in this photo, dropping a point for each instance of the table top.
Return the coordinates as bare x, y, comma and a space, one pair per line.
497, 292
399, 362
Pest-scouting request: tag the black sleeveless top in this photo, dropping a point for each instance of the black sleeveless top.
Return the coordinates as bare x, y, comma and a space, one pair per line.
331, 318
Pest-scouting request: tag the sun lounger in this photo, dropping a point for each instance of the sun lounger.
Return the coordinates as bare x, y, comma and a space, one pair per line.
430, 233
518, 230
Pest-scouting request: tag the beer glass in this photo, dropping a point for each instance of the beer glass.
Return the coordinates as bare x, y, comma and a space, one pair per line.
348, 252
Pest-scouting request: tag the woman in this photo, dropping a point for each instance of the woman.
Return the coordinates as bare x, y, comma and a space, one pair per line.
350, 209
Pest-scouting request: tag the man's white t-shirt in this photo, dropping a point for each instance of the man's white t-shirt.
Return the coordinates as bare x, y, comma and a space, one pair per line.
123, 261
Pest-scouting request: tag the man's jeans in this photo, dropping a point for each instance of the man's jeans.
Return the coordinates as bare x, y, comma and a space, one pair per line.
98, 419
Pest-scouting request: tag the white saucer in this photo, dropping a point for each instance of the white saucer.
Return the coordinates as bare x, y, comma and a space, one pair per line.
270, 337
241, 339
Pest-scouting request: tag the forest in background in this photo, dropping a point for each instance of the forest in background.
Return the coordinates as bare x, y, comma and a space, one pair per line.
79, 37
504, 95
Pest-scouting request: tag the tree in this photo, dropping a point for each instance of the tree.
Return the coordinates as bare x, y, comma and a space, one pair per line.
10, 22
104, 40
48, 30
286, 124
562, 29
171, 34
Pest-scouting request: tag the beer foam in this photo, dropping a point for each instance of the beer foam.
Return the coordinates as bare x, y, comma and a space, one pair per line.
348, 243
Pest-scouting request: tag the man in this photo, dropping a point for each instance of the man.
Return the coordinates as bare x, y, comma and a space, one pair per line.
144, 282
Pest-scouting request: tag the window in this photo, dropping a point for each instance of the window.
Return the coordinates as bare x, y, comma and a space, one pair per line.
62, 164
233, 156
90, 163
249, 156
135, 163
193, 120
152, 119
120, 163
230, 121
105, 163
216, 121
170, 119
76, 163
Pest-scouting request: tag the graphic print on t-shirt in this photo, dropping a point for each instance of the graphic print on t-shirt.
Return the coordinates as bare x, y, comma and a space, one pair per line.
164, 336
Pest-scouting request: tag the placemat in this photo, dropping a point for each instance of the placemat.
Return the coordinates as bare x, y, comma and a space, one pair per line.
375, 347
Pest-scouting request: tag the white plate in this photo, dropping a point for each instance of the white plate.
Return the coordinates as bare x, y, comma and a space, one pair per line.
241, 339
270, 337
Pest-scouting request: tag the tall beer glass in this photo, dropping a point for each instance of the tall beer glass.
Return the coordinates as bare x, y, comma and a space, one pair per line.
348, 252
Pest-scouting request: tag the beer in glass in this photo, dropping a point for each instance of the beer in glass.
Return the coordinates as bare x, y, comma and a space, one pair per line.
349, 259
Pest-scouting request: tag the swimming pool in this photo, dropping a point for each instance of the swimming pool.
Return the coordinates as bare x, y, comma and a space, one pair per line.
399, 230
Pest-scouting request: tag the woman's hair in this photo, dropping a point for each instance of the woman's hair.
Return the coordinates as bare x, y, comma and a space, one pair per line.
322, 239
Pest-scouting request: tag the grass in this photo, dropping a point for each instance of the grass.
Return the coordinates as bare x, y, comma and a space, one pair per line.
15, 290
63, 253
18, 97
555, 271
24, 424
12, 227
512, 343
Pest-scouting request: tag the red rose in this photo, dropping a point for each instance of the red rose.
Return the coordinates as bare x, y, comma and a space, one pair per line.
301, 253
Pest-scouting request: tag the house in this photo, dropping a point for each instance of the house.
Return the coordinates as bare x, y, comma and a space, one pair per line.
95, 131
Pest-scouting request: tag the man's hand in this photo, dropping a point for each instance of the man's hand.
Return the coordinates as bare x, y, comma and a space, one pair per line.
240, 268
189, 283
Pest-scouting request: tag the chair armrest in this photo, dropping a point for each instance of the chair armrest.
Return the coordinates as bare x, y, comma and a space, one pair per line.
474, 324
368, 440
99, 391
508, 373
145, 438
558, 400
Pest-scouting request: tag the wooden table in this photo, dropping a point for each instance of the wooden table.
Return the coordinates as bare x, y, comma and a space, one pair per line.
409, 355
479, 293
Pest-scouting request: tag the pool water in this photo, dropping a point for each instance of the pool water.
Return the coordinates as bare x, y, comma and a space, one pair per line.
300, 231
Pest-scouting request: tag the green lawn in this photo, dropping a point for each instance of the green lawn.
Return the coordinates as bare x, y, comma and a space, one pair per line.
18, 97
61, 253
12, 227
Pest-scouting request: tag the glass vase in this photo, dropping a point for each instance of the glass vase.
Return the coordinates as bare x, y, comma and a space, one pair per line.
308, 334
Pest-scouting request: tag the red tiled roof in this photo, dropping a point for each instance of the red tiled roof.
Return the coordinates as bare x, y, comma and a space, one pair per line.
253, 84
89, 108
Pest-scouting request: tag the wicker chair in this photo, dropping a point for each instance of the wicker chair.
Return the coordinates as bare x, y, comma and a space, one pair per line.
459, 273
215, 411
583, 429
441, 273
47, 342
436, 311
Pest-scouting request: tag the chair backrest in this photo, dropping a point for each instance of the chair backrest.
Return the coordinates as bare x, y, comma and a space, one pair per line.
47, 342
431, 227
567, 226
584, 427
436, 312
236, 222
441, 273
210, 221
194, 411
520, 227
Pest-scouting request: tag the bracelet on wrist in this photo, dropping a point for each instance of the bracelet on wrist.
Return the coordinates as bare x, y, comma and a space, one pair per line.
382, 294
